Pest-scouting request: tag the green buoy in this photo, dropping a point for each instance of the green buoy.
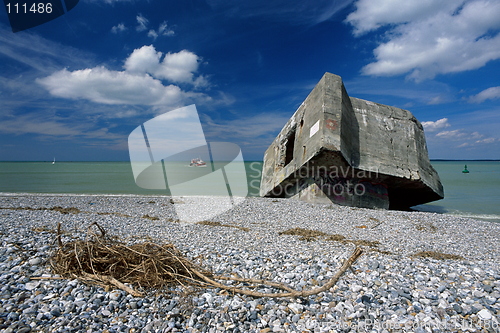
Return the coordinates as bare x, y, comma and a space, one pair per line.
465, 170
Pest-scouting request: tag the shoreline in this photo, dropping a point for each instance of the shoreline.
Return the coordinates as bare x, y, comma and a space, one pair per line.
389, 284
458, 214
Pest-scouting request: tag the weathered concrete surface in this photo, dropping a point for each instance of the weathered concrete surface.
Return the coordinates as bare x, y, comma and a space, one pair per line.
352, 152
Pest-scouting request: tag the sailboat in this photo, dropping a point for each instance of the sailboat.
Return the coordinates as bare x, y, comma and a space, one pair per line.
54, 162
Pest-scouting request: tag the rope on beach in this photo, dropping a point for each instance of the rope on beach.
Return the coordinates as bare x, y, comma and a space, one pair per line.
105, 260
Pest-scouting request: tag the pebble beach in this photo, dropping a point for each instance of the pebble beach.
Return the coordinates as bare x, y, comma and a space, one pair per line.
419, 272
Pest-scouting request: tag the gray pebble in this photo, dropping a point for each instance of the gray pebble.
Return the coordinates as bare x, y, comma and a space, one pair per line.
384, 287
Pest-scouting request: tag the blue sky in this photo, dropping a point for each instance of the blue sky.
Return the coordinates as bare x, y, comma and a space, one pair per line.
75, 87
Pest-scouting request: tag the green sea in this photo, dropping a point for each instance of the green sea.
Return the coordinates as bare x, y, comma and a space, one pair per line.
475, 194
89, 178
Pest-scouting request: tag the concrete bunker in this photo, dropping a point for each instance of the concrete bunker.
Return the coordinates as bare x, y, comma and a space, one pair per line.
349, 151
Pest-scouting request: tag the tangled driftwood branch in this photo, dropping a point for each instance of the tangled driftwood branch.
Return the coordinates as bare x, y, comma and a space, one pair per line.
291, 293
105, 260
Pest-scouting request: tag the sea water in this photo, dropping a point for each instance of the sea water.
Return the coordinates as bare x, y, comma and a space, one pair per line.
94, 177
475, 194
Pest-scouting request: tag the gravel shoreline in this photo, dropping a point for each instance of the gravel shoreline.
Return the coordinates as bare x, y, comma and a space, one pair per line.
453, 287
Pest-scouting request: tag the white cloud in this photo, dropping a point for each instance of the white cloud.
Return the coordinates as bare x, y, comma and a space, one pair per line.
101, 85
164, 30
479, 142
487, 140
142, 23
476, 135
118, 28
490, 93
143, 60
153, 34
472, 135
177, 67
440, 99
428, 37
139, 84
455, 134
373, 14
468, 139
433, 126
